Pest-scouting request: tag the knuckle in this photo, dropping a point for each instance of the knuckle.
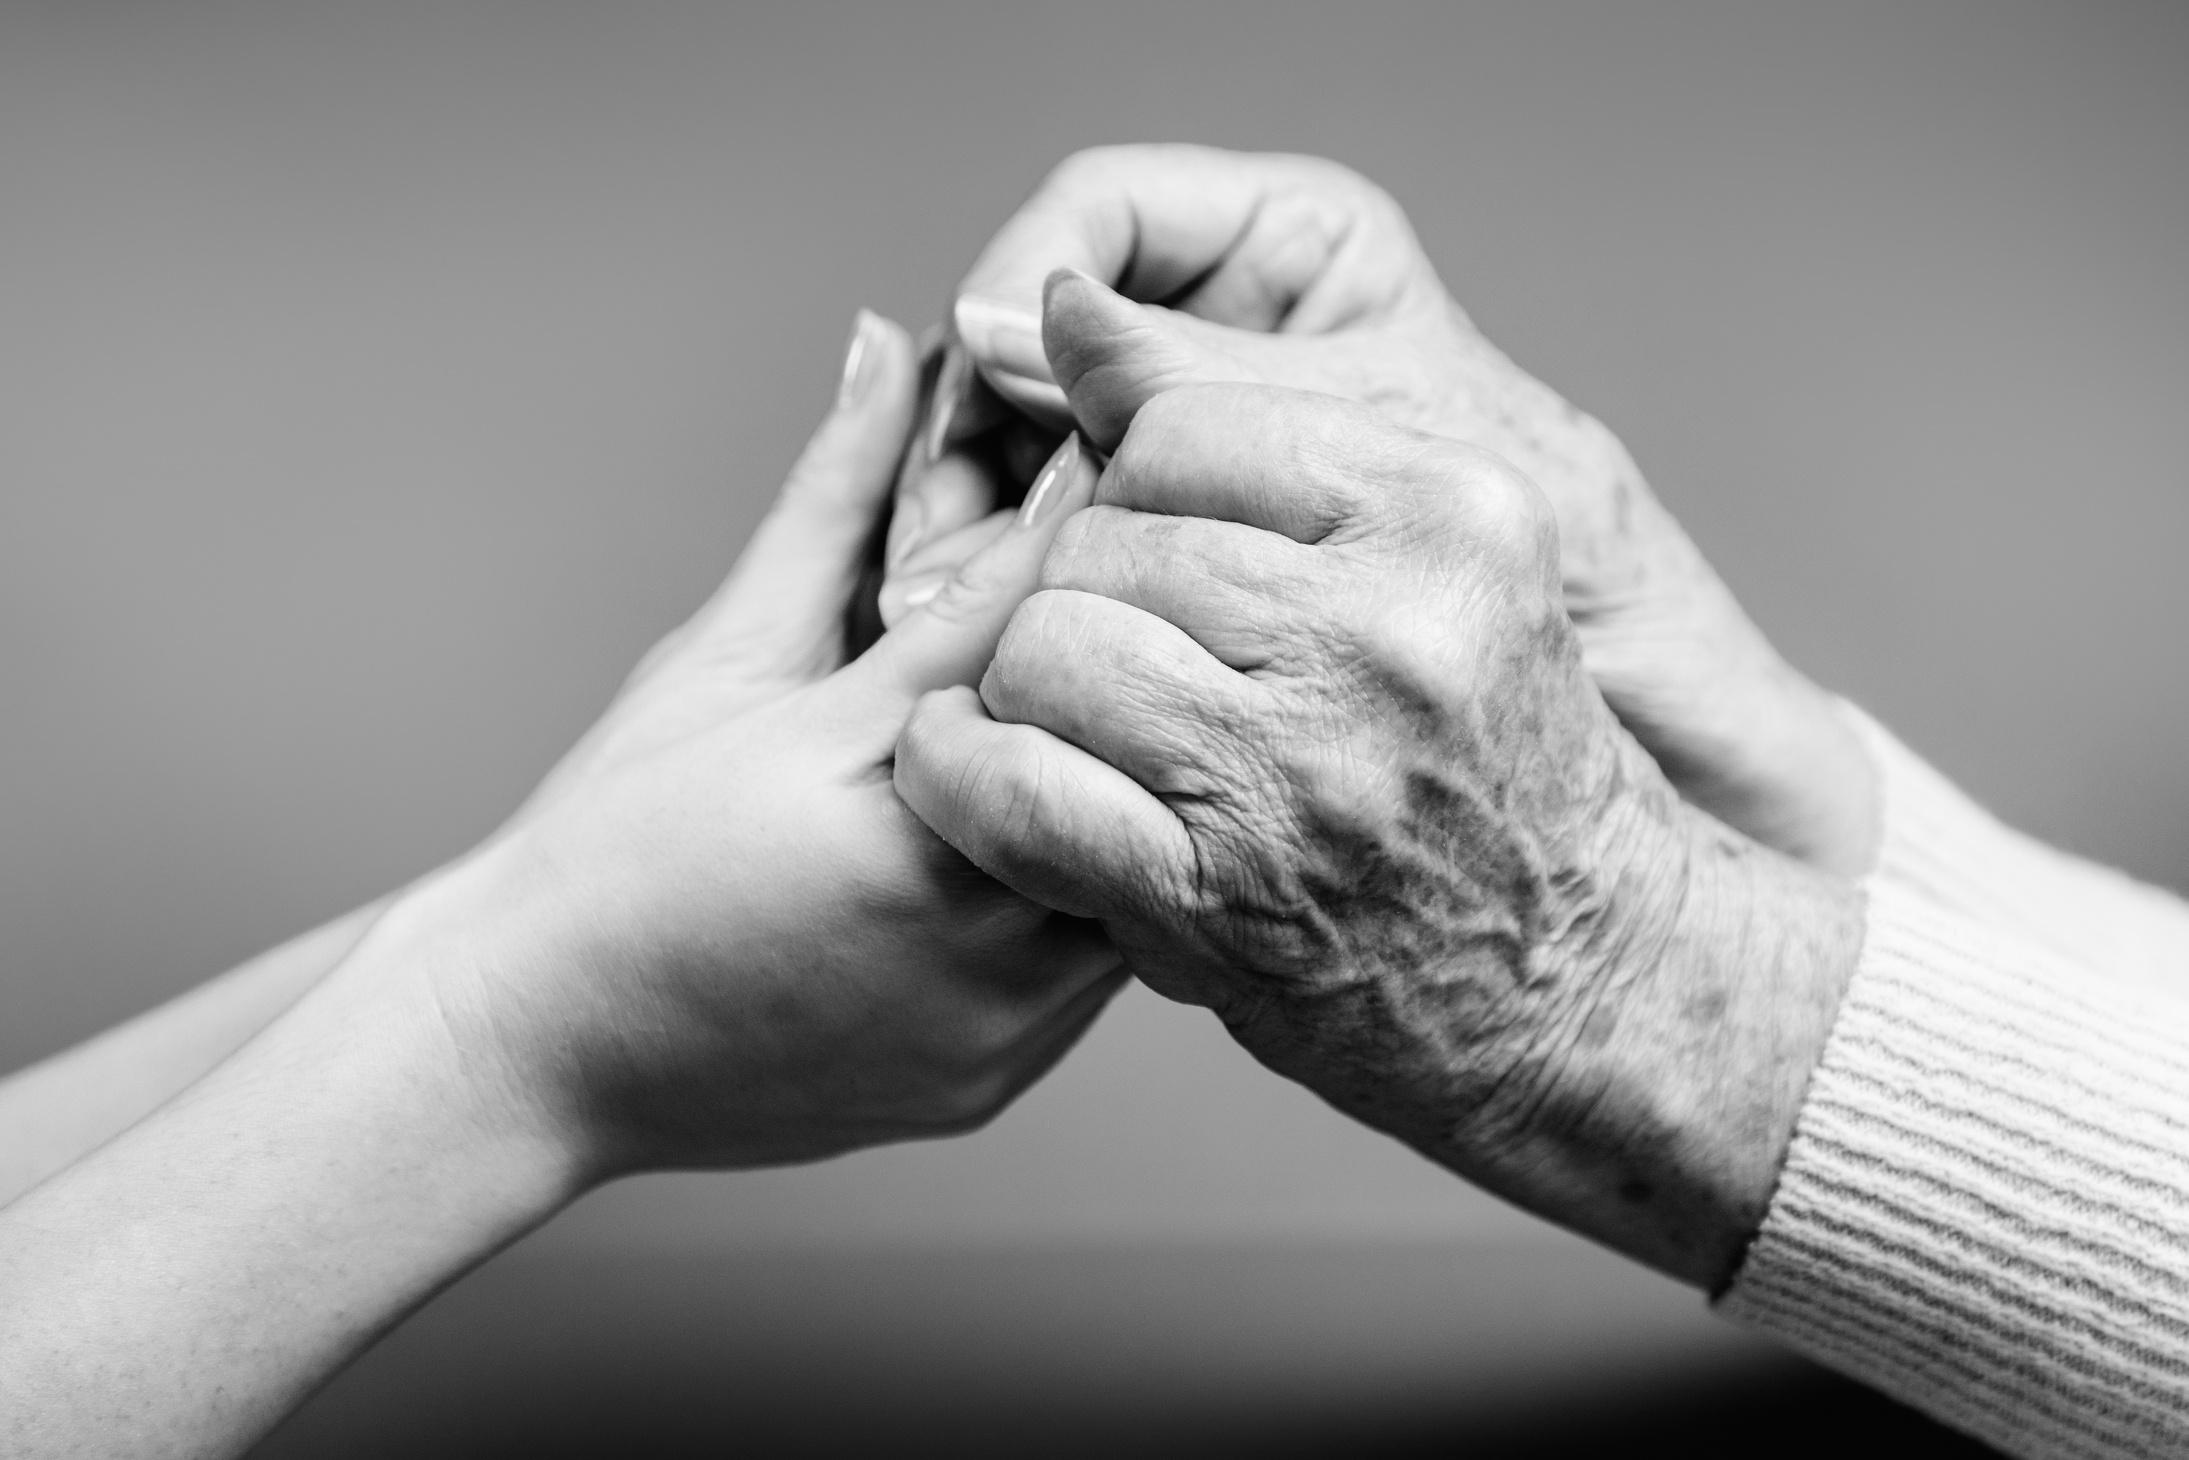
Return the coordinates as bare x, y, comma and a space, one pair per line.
957, 599
1338, 180
1039, 627
928, 724
1086, 547
970, 591
1089, 164
1499, 507
1162, 416
1037, 640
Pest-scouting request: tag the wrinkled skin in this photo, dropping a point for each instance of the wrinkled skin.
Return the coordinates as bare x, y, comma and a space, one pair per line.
1295, 271
1300, 716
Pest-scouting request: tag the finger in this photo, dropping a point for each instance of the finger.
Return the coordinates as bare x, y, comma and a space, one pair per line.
934, 496
936, 499
1123, 686
1041, 816
1259, 241
922, 574
1231, 589
1112, 356
1305, 466
972, 454
791, 583
950, 638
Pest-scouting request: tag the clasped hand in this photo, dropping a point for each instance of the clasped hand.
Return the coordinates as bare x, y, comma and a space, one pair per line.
1363, 696
1328, 716
1300, 717
715, 936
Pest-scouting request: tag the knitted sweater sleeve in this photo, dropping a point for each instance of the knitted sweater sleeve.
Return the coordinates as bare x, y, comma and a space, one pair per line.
1985, 1207
1957, 857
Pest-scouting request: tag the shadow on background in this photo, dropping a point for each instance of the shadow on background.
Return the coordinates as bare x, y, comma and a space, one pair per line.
1483, 1350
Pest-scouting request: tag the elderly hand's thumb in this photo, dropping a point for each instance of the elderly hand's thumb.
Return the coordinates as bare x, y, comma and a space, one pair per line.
1111, 355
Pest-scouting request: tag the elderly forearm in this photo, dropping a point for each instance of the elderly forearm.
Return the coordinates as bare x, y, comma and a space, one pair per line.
53, 1112
1655, 1114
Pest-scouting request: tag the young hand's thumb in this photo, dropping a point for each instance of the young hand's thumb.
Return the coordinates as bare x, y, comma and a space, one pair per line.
791, 584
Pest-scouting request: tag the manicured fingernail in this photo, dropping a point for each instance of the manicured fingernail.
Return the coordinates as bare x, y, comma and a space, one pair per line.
859, 361
920, 593
1047, 491
1003, 335
950, 383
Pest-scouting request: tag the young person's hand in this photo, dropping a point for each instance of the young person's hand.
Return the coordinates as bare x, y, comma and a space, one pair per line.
714, 937
731, 942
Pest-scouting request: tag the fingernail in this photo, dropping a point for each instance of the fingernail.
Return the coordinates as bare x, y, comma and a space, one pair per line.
858, 362
1045, 493
1059, 275
920, 593
949, 391
1003, 335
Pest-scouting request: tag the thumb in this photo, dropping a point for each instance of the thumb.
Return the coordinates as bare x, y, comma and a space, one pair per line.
790, 585
951, 632
1110, 355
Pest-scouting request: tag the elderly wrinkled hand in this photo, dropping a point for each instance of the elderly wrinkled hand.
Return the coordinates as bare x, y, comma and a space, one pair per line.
1300, 716
1297, 271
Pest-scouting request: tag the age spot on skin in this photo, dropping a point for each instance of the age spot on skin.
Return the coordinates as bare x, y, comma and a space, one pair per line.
1597, 1029
1707, 1008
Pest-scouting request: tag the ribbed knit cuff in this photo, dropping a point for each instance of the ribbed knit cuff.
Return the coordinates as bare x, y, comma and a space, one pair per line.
1985, 1207
1954, 855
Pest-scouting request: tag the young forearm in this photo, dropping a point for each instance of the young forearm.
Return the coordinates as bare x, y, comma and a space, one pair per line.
55, 1111
179, 1290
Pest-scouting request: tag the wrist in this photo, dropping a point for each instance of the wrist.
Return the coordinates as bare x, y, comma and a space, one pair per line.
1775, 757
1750, 986
1656, 1108
186, 1284
436, 983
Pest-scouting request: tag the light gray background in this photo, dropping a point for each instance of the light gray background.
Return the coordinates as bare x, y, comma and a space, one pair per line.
377, 380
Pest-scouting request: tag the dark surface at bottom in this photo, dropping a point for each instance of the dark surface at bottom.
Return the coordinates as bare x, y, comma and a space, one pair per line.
1543, 1350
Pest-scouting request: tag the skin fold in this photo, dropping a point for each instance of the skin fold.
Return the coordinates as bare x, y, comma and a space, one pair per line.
1300, 717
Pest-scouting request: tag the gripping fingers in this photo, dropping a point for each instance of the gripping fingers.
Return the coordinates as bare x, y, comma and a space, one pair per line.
1292, 462
1231, 589
1041, 816
948, 637
1258, 241
923, 572
1125, 686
